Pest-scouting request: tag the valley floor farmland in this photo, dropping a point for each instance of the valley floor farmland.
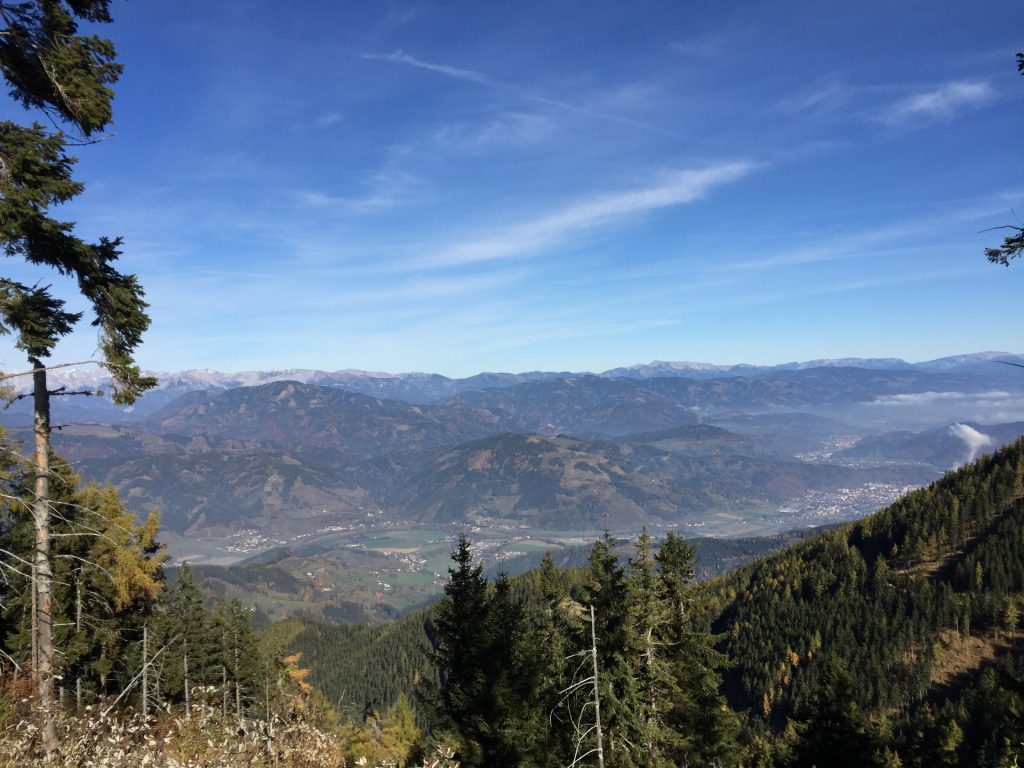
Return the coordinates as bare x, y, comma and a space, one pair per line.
378, 570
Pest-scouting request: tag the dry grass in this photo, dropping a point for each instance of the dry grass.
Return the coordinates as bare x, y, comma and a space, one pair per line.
956, 656
206, 740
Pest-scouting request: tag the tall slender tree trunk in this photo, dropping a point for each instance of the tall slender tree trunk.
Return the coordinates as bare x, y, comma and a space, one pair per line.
78, 630
103, 675
43, 570
652, 704
188, 693
224, 666
238, 687
597, 695
35, 635
145, 671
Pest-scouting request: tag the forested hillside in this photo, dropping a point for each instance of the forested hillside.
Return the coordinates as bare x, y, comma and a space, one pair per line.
892, 641
901, 629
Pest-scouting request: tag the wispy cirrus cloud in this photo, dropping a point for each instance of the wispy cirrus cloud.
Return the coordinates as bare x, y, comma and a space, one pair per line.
383, 190
389, 186
508, 129
327, 119
398, 16
820, 97
579, 217
707, 46
480, 78
469, 75
938, 104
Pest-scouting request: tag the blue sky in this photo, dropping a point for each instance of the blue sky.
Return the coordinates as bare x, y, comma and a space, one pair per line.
458, 187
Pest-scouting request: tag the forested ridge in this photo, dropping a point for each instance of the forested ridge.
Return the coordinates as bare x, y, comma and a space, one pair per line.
890, 641
875, 611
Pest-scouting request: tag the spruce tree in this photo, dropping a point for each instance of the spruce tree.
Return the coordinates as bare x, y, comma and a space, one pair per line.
703, 728
657, 687
187, 629
553, 636
606, 590
461, 632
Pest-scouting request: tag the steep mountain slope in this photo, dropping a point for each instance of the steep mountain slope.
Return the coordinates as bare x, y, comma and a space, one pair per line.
568, 483
893, 602
702, 440
293, 414
221, 484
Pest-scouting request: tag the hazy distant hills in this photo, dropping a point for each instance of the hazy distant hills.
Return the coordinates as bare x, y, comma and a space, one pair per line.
568, 483
294, 414
540, 449
967, 371
942, 447
554, 482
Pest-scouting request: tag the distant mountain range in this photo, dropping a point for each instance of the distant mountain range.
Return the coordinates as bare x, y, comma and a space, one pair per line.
433, 388
298, 450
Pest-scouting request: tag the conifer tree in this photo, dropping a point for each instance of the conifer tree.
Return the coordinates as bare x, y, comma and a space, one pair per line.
703, 728
553, 635
52, 68
461, 629
187, 629
836, 731
606, 590
657, 687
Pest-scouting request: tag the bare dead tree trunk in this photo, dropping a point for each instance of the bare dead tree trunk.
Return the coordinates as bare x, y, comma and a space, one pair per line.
35, 634
188, 693
103, 675
224, 665
652, 707
145, 671
43, 572
78, 629
238, 687
597, 695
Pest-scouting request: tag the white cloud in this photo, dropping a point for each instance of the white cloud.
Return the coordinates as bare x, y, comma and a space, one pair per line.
398, 16
327, 120
927, 398
942, 103
509, 129
975, 440
632, 91
579, 217
388, 187
400, 57
823, 97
